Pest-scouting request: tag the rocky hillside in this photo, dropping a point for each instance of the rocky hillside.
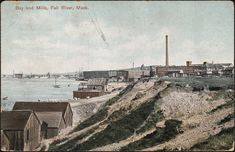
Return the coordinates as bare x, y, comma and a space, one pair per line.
156, 115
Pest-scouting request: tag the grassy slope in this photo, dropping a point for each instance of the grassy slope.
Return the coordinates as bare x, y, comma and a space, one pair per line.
120, 129
157, 137
221, 141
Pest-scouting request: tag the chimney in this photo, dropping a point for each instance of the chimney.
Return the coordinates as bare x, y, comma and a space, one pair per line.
167, 58
188, 63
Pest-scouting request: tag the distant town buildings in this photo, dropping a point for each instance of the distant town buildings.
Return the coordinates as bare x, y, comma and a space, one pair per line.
18, 75
95, 74
205, 69
94, 87
136, 73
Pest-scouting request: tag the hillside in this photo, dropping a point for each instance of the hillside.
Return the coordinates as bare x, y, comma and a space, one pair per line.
155, 115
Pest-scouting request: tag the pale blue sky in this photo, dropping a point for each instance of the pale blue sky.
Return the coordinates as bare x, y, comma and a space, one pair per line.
41, 41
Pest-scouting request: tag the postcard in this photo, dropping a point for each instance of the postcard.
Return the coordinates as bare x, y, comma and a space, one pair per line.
117, 75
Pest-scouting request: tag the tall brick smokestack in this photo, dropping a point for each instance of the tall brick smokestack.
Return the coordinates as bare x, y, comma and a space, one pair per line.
167, 57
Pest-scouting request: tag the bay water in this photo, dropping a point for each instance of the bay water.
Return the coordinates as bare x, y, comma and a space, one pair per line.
34, 90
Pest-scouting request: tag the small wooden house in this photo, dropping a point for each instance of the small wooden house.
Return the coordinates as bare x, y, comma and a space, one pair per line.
22, 129
63, 107
51, 123
95, 87
4, 142
97, 84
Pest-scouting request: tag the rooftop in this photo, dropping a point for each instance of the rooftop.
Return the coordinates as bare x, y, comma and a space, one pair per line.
14, 120
42, 106
51, 118
98, 81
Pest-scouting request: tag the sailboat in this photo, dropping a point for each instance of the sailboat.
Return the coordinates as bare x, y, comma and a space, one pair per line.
56, 85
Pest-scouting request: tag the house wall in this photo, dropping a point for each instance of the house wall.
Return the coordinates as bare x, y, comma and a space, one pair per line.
16, 140
162, 71
96, 87
68, 117
5, 145
95, 74
34, 128
85, 94
43, 133
62, 124
118, 74
52, 132
135, 74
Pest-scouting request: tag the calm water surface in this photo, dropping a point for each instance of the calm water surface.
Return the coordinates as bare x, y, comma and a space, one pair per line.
34, 90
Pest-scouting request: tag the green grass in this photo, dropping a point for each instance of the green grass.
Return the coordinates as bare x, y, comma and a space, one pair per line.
221, 141
153, 118
117, 114
159, 136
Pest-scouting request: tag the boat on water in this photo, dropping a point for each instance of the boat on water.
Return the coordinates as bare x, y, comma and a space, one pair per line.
44, 77
79, 79
4, 98
56, 85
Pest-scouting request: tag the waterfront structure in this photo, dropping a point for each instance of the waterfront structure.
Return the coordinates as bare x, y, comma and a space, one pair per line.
18, 75
137, 73
118, 75
175, 71
229, 71
83, 94
5, 144
97, 84
95, 74
94, 87
51, 123
63, 107
22, 129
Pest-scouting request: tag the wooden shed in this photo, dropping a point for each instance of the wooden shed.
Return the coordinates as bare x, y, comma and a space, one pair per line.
95, 87
97, 84
4, 142
52, 123
22, 129
83, 94
63, 107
